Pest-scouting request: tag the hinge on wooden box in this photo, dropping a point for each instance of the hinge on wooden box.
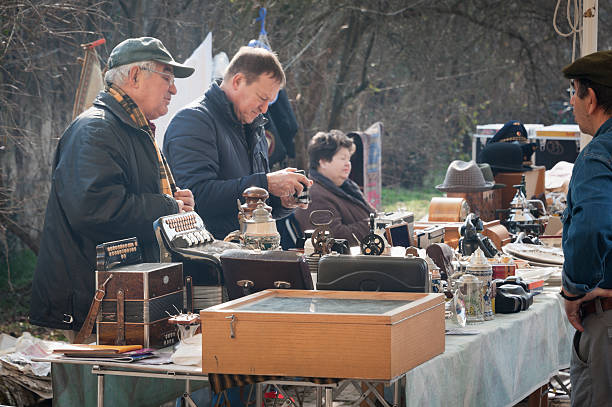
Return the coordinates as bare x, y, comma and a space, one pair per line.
232, 319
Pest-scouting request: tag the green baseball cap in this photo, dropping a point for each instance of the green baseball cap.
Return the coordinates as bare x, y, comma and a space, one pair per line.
145, 49
596, 67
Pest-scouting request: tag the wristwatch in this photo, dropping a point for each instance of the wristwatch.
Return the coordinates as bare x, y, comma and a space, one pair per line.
570, 298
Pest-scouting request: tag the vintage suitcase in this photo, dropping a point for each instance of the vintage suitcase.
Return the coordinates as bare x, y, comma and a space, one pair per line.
247, 271
335, 334
423, 238
150, 291
373, 273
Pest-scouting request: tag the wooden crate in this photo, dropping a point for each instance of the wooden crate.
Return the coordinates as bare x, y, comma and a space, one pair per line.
338, 334
482, 203
535, 184
151, 291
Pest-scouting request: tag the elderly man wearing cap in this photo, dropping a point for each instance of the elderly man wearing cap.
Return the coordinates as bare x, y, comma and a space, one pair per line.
587, 234
109, 182
217, 146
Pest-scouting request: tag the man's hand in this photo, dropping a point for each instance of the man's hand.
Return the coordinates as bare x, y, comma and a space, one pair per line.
184, 199
285, 183
572, 308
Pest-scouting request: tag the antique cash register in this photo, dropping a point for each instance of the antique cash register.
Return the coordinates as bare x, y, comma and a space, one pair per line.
183, 238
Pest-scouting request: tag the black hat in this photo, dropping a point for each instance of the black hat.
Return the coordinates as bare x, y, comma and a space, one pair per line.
596, 67
503, 157
511, 131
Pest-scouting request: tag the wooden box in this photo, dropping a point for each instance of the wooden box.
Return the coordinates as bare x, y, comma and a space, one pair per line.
482, 203
535, 184
150, 291
337, 334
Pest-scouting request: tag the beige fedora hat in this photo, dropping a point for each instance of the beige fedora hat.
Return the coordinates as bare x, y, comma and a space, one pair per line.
464, 176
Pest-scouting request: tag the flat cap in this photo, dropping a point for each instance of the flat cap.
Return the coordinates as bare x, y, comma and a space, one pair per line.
596, 67
145, 49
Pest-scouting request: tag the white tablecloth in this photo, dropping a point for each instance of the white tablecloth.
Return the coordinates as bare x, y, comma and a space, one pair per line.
511, 357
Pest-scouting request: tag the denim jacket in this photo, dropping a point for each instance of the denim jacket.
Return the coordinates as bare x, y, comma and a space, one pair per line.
587, 219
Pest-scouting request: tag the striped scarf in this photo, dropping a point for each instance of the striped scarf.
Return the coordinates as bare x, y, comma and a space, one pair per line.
166, 180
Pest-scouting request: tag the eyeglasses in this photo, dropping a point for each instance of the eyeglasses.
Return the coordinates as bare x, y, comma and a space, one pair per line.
168, 76
572, 88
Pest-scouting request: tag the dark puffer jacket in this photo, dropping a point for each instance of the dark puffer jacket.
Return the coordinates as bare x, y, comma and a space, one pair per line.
105, 187
217, 157
350, 210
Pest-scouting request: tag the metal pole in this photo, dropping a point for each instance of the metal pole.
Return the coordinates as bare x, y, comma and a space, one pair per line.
258, 394
100, 390
588, 42
329, 396
318, 396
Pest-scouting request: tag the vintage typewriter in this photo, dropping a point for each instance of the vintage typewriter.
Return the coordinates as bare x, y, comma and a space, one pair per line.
183, 238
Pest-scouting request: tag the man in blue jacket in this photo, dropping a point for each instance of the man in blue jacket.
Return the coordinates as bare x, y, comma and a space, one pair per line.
217, 147
587, 234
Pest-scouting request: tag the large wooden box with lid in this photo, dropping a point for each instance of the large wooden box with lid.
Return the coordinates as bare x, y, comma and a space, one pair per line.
337, 334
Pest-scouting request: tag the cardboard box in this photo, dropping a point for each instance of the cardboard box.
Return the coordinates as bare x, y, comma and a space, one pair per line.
337, 334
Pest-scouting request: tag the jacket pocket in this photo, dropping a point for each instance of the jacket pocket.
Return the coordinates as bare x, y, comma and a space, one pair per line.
566, 217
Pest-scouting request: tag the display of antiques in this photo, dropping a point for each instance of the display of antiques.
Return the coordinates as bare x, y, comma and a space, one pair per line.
134, 300
480, 268
442, 255
183, 238
513, 295
247, 271
525, 215
430, 235
536, 255
470, 289
372, 244
448, 209
398, 227
257, 227
472, 238
373, 273
347, 334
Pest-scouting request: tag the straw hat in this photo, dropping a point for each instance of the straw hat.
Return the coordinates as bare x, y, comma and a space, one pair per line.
462, 176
